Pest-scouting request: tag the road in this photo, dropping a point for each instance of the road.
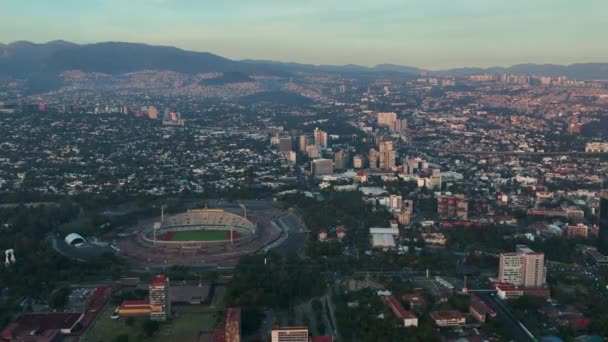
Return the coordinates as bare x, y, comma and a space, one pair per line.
520, 332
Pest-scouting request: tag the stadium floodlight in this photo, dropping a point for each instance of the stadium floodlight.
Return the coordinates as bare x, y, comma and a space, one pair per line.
156, 227
244, 209
162, 212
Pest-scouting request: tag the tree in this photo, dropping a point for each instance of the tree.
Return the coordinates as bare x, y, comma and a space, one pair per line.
130, 321
150, 327
59, 297
121, 338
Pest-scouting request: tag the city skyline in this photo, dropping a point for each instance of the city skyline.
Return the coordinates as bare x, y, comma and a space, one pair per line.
431, 35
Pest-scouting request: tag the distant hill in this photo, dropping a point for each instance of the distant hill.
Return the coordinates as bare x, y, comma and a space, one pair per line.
117, 58
21, 58
348, 68
579, 71
226, 78
40, 64
277, 97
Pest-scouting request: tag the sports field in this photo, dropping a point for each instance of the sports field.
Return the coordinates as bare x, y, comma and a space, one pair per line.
200, 235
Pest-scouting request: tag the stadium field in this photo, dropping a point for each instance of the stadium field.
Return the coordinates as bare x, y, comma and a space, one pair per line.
200, 235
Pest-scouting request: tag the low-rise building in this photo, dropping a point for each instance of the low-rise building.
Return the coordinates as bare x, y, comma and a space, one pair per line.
289, 334
408, 317
448, 318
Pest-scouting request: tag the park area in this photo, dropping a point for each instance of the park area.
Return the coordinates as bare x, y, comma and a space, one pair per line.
199, 235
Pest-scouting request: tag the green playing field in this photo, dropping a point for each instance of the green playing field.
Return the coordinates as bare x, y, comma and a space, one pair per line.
200, 235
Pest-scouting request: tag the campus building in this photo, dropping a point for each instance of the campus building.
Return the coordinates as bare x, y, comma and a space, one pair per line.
160, 303
524, 268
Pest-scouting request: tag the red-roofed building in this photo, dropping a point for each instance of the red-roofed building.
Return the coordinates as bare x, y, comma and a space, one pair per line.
415, 301
408, 317
322, 339
448, 318
508, 291
341, 232
479, 309
42, 327
134, 308
322, 234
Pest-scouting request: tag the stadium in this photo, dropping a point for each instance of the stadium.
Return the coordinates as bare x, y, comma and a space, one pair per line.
207, 237
198, 228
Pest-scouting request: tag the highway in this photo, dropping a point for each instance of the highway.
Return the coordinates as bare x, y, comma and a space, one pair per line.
520, 332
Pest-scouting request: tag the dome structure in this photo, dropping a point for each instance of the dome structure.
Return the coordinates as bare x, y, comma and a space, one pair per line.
74, 239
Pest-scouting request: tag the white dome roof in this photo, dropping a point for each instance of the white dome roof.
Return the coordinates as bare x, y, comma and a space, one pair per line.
74, 239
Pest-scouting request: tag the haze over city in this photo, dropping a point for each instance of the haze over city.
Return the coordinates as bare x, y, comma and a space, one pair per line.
426, 34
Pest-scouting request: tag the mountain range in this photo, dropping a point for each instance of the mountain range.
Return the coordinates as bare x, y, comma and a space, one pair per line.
43, 62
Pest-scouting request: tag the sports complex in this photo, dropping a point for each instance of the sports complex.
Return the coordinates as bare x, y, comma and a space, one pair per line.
206, 237
200, 227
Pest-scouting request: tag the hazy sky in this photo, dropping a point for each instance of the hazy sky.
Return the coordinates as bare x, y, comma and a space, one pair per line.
424, 33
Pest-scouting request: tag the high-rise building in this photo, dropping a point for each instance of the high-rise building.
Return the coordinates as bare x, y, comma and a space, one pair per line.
340, 160
152, 112
358, 162
387, 155
404, 216
160, 303
322, 167
524, 268
373, 159
320, 138
603, 234
289, 334
452, 206
312, 151
304, 140
285, 145
233, 325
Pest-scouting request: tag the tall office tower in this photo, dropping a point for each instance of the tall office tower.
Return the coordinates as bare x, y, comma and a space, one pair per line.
387, 155
373, 159
152, 112
285, 145
320, 138
340, 160
160, 303
303, 141
322, 167
386, 118
523, 268
233, 325
358, 162
289, 334
603, 235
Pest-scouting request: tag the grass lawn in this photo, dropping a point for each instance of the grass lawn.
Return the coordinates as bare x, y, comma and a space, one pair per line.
183, 327
200, 235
